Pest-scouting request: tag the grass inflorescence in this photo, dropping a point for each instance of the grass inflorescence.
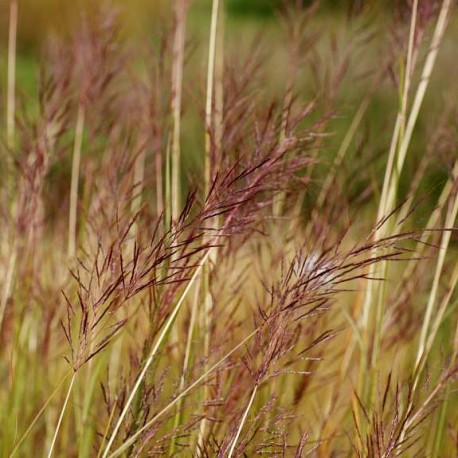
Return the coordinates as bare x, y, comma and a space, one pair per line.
201, 264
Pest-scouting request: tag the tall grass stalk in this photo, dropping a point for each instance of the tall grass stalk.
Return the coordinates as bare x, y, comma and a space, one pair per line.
179, 41
11, 89
93, 372
392, 172
37, 416
425, 78
428, 333
411, 265
438, 432
138, 185
166, 205
187, 358
177, 91
61, 415
74, 184
218, 115
209, 108
159, 182
242, 422
10, 134
105, 433
441, 427
210, 129
400, 143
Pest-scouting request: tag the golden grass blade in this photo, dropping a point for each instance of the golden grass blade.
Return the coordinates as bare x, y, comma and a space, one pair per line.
61, 416
11, 89
242, 422
74, 185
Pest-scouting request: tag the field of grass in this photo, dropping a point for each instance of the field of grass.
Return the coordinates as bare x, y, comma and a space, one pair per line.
228, 235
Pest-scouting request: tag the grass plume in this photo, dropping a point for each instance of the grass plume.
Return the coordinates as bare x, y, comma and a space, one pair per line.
256, 258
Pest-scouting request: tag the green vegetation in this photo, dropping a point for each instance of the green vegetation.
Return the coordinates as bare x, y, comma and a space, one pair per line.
228, 233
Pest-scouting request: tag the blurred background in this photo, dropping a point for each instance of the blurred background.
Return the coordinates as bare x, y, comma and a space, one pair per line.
359, 36
38, 19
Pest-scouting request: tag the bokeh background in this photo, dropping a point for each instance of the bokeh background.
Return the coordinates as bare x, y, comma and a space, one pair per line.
249, 22
40, 18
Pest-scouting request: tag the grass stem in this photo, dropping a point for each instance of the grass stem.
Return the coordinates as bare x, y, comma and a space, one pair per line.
210, 89
74, 185
177, 91
211, 128
11, 88
38, 415
242, 422
61, 416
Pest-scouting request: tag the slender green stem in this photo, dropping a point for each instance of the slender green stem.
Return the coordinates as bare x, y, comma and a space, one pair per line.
159, 182
168, 188
61, 416
38, 415
211, 127
423, 345
186, 359
424, 79
137, 188
440, 427
10, 132
393, 168
399, 147
218, 115
177, 90
210, 89
426, 74
242, 422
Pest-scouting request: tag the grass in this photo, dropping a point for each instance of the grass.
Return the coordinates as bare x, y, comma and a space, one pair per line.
293, 293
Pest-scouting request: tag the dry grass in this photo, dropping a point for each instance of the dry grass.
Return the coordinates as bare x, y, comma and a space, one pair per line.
281, 301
